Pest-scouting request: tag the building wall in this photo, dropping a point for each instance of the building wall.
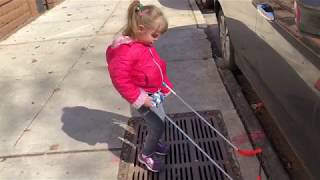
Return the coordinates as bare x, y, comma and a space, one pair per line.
52, 3
16, 13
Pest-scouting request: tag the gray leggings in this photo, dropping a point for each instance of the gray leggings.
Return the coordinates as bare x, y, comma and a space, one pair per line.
154, 118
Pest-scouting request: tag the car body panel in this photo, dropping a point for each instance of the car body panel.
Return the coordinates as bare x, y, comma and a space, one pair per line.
283, 67
290, 75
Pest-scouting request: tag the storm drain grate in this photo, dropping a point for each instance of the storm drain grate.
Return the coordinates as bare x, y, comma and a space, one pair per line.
184, 161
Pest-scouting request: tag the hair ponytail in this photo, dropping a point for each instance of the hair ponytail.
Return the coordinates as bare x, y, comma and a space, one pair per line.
132, 19
147, 16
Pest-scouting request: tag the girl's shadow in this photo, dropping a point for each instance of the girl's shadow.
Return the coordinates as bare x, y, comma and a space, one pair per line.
94, 126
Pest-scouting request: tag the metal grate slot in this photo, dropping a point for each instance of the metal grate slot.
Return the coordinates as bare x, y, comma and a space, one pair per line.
184, 161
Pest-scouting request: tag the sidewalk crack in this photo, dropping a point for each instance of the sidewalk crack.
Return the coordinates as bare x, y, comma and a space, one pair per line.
4, 157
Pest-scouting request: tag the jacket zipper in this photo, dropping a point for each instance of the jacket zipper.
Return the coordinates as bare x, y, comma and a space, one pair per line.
157, 66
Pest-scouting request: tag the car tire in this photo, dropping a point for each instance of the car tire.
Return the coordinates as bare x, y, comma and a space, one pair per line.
205, 4
227, 50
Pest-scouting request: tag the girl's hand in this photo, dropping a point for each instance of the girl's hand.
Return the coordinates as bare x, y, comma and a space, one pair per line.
148, 102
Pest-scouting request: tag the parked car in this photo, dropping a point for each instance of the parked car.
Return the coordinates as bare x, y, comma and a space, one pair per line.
281, 62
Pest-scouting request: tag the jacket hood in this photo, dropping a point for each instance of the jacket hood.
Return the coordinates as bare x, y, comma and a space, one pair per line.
121, 40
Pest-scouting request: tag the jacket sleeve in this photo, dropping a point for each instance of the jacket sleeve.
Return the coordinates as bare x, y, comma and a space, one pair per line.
119, 69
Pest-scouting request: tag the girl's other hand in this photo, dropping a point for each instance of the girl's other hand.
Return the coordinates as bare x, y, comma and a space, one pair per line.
148, 102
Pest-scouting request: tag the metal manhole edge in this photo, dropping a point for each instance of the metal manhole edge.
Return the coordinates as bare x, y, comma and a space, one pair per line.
231, 159
126, 149
126, 153
188, 114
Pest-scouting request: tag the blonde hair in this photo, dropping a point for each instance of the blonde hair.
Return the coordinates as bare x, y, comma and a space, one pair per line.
149, 16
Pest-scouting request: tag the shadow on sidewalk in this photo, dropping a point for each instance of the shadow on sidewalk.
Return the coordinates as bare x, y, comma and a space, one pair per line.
175, 4
94, 126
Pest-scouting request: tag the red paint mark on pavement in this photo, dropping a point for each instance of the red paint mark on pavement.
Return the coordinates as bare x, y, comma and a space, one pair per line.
258, 107
240, 139
115, 160
317, 84
54, 147
255, 136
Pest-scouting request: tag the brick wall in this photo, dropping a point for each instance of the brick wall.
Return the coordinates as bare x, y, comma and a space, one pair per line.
16, 13
52, 3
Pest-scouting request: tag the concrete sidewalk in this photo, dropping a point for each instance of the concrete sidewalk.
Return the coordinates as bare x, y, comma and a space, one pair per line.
61, 117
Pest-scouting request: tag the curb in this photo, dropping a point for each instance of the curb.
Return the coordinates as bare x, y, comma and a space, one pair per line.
249, 167
270, 161
201, 23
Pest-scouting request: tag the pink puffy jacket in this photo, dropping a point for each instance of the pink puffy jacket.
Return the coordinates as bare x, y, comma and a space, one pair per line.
136, 69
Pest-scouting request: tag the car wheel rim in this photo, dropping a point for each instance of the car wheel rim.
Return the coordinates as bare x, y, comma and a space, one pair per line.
227, 47
225, 40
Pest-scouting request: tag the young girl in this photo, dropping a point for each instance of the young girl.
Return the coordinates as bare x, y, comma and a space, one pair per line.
138, 74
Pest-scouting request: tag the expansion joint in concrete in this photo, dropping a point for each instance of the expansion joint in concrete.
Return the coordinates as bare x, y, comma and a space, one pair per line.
4, 157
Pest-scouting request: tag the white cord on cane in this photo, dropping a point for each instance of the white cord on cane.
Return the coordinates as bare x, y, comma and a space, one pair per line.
199, 148
202, 118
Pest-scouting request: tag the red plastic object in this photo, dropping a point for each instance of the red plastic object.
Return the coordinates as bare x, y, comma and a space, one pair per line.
259, 178
249, 152
258, 107
317, 84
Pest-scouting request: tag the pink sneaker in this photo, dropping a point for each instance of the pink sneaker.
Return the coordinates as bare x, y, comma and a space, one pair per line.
151, 163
